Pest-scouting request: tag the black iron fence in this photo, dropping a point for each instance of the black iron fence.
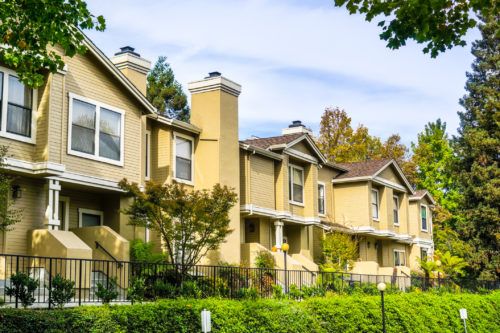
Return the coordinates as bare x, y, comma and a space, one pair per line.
165, 280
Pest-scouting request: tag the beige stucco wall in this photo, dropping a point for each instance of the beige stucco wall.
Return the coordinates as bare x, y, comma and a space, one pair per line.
352, 204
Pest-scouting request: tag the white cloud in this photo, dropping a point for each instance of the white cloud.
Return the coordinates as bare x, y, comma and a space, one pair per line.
293, 60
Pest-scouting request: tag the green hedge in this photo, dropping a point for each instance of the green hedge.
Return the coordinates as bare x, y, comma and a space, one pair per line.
405, 313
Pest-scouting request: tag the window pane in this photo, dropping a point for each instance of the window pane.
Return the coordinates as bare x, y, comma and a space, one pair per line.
297, 176
109, 146
110, 122
18, 120
321, 199
18, 93
83, 114
297, 193
82, 139
1, 94
374, 197
183, 148
90, 220
182, 168
321, 191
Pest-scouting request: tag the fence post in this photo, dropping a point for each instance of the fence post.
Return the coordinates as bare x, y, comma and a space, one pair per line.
17, 271
80, 284
107, 275
50, 281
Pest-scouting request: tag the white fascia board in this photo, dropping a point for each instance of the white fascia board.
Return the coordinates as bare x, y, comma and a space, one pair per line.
400, 172
176, 123
86, 180
388, 183
34, 168
351, 180
278, 215
261, 151
312, 144
300, 155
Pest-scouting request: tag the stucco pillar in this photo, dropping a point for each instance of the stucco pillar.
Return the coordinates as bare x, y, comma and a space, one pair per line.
279, 234
52, 221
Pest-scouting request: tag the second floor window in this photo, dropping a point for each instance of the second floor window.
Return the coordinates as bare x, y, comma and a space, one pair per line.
296, 185
423, 212
321, 199
375, 204
183, 158
96, 130
396, 210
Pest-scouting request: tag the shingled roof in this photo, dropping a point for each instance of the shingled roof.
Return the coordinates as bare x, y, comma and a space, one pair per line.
362, 169
419, 194
265, 143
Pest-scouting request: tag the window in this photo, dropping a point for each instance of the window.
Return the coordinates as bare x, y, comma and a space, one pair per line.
16, 108
147, 169
423, 214
375, 204
296, 185
399, 258
321, 199
395, 210
95, 130
423, 253
89, 218
183, 152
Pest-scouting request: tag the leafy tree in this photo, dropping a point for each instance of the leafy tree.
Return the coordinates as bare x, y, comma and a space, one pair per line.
166, 93
477, 146
8, 215
190, 222
340, 250
395, 149
451, 265
440, 25
142, 251
29, 27
434, 157
340, 142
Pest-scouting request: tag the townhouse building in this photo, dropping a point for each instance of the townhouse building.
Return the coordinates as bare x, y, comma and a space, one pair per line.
89, 126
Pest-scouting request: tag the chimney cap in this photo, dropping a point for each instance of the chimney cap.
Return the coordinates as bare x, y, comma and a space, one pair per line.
296, 123
213, 74
127, 49
296, 127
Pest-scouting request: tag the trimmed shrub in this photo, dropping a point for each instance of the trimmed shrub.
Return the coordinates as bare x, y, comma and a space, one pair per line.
405, 313
61, 292
107, 293
23, 288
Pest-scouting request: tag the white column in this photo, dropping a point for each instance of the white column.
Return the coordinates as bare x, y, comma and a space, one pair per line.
52, 212
279, 234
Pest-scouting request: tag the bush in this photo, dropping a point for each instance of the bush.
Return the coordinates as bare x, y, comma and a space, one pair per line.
405, 313
137, 290
165, 290
141, 251
213, 287
62, 291
265, 259
23, 289
248, 293
278, 291
190, 289
107, 293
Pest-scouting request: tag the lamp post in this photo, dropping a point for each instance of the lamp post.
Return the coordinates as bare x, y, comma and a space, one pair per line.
285, 247
438, 264
381, 287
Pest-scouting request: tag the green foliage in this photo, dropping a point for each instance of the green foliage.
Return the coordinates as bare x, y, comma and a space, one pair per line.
477, 146
141, 251
165, 93
165, 290
137, 290
278, 291
30, 28
108, 292
440, 25
23, 288
8, 215
452, 266
190, 222
340, 250
265, 259
405, 313
62, 291
190, 289
294, 292
248, 293
213, 287
428, 267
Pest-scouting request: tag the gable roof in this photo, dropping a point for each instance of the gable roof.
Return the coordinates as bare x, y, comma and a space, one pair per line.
420, 194
369, 170
265, 143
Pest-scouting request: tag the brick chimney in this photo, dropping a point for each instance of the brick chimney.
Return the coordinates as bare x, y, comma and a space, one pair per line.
133, 66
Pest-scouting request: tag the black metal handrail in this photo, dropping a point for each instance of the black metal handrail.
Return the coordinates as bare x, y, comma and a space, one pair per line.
99, 245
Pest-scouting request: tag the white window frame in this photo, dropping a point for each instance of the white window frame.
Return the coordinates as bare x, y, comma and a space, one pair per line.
402, 254
427, 218
98, 105
324, 199
147, 170
397, 209
290, 181
82, 211
378, 204
66, 201
5, 96
174, 163
427, 249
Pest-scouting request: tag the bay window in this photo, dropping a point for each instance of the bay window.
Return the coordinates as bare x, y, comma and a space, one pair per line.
296, 185
183, 154
95, 130
17, 108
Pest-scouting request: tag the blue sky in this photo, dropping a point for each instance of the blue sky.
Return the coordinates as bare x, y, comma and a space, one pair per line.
293, 59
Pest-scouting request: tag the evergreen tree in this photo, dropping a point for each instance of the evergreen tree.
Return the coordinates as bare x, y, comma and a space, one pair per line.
478, 148
166, 93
